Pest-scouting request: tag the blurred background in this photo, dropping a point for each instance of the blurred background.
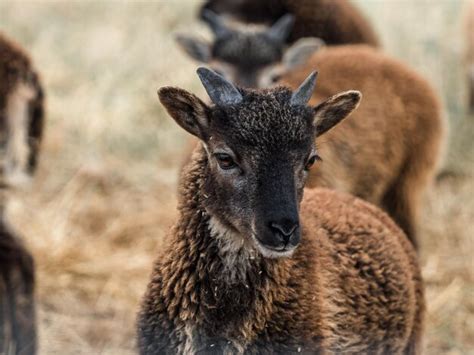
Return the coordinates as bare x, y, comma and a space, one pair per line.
105, 194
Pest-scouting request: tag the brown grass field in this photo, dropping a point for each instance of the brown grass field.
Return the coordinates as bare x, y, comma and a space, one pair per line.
105, 195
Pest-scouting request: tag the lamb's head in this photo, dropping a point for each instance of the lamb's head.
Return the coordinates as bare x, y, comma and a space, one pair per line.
250, 58
260, 147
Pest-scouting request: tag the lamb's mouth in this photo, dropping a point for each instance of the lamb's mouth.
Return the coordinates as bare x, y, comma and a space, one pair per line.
270, 252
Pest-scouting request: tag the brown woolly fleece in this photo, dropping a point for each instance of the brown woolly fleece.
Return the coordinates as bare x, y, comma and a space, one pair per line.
387, 151
17, 306
334, 21
15, 68
352, 285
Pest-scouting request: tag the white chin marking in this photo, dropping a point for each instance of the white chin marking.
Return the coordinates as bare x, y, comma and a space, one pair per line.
235, 251
273, 254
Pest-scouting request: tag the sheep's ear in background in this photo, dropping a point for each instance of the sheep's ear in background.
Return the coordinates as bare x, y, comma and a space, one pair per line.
196, 48
300, 52
216, 23
332, 111
281, 29
190, 112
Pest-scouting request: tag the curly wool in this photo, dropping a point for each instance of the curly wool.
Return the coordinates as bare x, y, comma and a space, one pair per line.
249, 122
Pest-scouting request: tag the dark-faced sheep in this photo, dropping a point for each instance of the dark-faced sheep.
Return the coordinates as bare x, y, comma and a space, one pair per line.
250, 57
21, 113
252, 266
245, 56
334, 21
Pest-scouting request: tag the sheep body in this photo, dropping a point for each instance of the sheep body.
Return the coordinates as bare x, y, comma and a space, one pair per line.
335, 21
388, 150
21, 110
353, 284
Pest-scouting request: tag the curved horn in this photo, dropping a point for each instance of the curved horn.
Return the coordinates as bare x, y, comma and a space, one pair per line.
302, 95
221, 91
282, 28
215, 22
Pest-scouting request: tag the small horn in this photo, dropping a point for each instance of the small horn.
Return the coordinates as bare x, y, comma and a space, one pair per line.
302, 95
215, 22
221, 91
282, 28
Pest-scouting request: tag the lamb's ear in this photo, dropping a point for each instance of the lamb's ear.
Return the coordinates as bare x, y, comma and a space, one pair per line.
300, 52
332, 111
196, 48
190, 112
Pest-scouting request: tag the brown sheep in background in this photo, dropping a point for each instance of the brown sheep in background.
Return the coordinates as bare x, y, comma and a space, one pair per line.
388, 151
21, 128
233, 278
335, 21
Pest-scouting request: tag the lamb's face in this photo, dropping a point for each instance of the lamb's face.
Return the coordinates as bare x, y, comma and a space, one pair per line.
260, 147
259, 154
252, 58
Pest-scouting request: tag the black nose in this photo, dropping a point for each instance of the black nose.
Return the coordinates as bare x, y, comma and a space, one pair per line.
284, 229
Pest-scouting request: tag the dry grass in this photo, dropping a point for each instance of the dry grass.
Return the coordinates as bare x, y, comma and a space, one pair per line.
105, 193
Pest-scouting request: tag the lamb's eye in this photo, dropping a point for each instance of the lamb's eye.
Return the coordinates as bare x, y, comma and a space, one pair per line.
225, 161
311, 162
